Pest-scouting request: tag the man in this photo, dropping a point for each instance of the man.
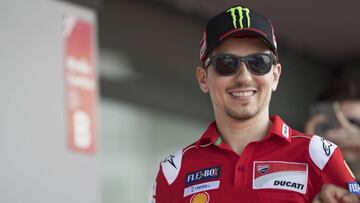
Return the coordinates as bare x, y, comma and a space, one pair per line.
245, 155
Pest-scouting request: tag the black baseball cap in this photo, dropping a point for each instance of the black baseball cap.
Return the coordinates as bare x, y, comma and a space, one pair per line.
236, 21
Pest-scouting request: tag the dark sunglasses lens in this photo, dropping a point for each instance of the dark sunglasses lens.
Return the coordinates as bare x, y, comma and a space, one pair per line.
259, 64
226, 65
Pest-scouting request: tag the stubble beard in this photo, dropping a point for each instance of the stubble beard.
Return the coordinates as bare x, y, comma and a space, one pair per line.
241, 114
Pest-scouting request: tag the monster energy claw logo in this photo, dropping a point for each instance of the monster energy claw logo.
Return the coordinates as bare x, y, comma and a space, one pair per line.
243, 13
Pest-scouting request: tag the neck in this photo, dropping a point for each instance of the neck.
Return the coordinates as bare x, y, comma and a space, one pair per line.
237, 134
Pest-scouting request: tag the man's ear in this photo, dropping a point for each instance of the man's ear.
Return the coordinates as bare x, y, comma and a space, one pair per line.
276, 74
201, 76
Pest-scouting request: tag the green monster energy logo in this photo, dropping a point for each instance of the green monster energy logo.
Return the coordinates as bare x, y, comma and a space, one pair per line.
242, 12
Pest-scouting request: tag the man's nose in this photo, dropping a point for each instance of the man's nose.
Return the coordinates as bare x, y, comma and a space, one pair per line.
243, 75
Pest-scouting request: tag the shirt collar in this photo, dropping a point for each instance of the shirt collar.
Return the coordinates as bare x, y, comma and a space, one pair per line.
278, 128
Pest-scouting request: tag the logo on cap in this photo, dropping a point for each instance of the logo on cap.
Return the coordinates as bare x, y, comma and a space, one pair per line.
244, 13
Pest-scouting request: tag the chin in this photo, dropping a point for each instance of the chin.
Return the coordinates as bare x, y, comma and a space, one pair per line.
241, 115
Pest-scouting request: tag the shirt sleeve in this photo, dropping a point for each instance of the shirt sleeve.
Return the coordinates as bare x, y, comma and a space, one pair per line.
332, 167
161, 189
336, 171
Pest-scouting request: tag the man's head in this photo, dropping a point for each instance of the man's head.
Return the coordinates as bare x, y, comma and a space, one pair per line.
237, 21
238, 63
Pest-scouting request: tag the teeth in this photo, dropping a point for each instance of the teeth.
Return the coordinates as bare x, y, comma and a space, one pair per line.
242, 94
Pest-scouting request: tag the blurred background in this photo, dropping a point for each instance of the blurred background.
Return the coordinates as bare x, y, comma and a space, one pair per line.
148, 102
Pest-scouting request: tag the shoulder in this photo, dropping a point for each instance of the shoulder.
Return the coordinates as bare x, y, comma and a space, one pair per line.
172, 164
320, 151
299, 138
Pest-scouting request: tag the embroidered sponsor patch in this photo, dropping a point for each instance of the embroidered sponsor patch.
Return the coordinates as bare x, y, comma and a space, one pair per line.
285, 130
202, 197
201, 187
327, 145
203, 174
280, 175
171, 166
354, 187
262, 168
320, 151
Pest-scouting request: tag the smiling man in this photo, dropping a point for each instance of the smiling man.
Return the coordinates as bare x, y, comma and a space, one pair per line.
245, 155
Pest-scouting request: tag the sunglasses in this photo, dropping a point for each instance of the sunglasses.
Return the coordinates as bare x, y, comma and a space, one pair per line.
229, 64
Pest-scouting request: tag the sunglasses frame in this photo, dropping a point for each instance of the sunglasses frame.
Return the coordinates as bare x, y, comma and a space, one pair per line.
212, 58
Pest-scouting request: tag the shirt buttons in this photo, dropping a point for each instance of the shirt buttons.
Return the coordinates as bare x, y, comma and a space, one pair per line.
240, 168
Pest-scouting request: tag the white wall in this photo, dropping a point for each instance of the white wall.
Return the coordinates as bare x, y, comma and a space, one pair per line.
36, 165
134, 141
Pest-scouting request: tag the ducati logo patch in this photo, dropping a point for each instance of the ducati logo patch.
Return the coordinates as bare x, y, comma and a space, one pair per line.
263, 168
280, 175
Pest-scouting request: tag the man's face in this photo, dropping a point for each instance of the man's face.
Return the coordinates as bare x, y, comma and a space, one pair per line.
243, 95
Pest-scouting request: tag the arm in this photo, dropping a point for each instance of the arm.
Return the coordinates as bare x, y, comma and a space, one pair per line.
336, 171
168, 172
161, 193
333, 194
333, 169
